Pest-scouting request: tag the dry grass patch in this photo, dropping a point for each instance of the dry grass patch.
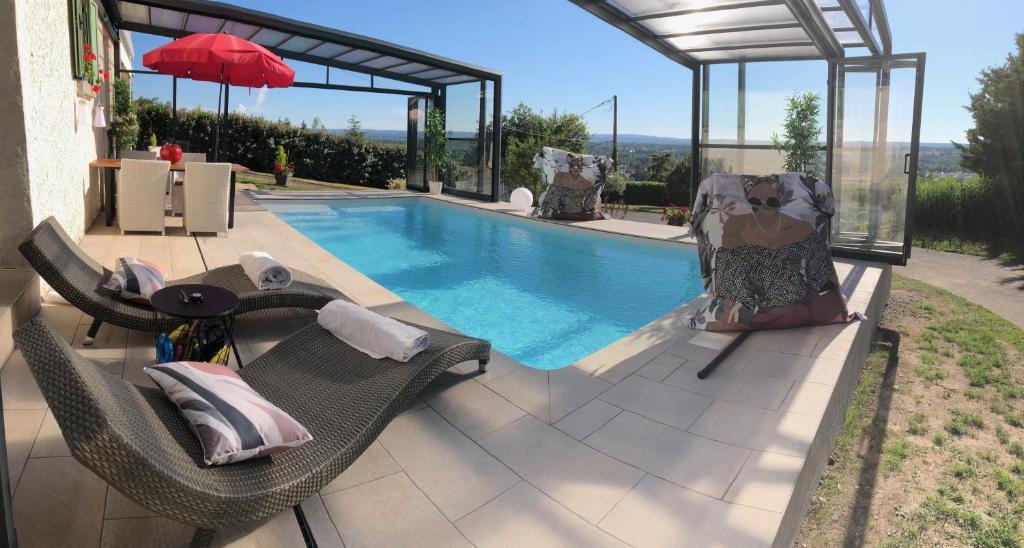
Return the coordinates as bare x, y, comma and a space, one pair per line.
931, 452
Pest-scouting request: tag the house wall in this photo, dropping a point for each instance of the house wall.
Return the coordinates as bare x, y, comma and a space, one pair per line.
47, 172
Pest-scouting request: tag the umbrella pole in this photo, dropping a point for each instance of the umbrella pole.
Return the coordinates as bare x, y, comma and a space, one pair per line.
216, 130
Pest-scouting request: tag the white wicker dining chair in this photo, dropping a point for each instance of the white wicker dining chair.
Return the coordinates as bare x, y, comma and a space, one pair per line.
141, 191
177, 186
206, 197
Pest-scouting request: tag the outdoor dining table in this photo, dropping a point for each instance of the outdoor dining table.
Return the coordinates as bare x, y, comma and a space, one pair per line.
113, 164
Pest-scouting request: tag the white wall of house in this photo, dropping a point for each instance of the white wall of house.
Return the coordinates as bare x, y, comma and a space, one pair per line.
48, 172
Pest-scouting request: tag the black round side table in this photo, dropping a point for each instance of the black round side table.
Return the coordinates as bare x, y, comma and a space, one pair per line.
218, 305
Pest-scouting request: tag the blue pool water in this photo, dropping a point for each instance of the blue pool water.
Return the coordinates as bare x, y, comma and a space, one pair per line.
544, 294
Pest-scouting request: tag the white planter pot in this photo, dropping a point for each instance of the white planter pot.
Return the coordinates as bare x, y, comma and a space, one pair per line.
435, 187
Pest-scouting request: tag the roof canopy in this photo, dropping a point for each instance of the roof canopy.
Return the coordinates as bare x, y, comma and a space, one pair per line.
693, 32
293, 39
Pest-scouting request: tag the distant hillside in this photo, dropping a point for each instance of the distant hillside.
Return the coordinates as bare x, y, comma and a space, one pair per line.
635, 150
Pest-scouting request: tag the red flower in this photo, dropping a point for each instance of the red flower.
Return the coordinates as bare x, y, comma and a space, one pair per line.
86, 47
290, 165
96, 88
89, 56
106, 76
277, 168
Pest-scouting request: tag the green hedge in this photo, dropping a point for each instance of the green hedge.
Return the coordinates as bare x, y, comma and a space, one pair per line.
252, 141
645, 193
973, 208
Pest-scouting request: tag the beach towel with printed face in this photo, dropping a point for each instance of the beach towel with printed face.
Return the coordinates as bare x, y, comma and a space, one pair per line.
572, 184
764, 253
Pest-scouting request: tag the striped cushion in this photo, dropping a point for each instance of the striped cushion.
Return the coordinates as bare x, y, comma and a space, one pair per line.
232, 421
135, 280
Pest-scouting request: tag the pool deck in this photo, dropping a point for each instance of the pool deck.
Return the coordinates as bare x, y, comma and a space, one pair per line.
626, 447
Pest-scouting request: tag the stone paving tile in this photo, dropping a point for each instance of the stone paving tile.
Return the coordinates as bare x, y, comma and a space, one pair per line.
320, 524
660, 367
807, 398
754, 428
797, 368
108, 350
58, 491
800, 341
499, 366
585, 420
20, 427
49, 440
20, 390
657, 401
119, 506
473, 408
583, 480
737, 386
455, 473
145, 531
703, 465
766, 481
570, 388
390, 512
659, 513
524, 516
526, 388
281, 529
373, 464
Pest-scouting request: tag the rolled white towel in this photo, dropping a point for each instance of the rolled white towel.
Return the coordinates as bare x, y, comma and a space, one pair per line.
264, 271
375, 335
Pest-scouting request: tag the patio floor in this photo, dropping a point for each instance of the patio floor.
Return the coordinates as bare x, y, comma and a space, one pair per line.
626, 447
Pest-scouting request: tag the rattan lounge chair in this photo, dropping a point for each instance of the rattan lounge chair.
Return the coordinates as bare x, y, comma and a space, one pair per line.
135, 438
75, 276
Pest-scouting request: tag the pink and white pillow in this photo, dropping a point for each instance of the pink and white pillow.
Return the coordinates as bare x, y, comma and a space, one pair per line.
135, 280
232, 421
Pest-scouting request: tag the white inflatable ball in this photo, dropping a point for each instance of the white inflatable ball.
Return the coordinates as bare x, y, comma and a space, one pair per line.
521, 198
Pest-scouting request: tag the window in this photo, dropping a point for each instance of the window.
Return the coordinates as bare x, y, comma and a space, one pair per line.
82, 19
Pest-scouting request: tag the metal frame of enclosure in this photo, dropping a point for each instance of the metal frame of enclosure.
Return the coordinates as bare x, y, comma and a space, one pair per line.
872, 107
434, 78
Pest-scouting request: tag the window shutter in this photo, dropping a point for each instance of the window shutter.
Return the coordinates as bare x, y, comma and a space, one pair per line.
75, 31
92, 23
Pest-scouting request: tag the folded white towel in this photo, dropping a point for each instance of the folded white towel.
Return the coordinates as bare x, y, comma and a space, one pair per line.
375, 335
264, 271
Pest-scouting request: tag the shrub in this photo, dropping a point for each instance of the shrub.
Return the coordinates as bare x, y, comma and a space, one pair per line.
252, 142
397, 183
676, 215
124, 127
645, 193
615, 186
677, 183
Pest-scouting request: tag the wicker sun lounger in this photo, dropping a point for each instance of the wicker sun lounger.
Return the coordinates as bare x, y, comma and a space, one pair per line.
75, 276
134, 437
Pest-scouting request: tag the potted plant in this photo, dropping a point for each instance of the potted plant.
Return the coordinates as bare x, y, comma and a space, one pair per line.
92, 75
283, 169
675, 215
124, 126
436, 148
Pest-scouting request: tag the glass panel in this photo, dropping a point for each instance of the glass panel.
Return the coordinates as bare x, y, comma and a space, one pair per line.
743, 38
201, 23
874, 125
746, 161
719, 19
415, 144
808, 51
463, 125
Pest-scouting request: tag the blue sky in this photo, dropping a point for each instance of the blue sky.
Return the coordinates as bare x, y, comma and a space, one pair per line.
554, 55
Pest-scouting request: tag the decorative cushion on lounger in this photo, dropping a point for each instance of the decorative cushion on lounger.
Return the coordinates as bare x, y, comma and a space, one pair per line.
764, 253
233, 422
572, 184
134, 280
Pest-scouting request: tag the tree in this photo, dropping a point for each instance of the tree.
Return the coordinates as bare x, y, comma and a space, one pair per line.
124, 125
801, 134
995, 146
661, 165
525, 132
435, 144
355, 128
317, 124
677, 183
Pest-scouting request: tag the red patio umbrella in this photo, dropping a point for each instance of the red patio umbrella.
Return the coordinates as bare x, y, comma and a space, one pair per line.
222, 58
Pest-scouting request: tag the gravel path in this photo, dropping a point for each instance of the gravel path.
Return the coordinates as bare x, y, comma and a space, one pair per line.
983, 281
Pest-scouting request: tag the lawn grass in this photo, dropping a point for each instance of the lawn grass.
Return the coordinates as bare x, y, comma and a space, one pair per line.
931, 451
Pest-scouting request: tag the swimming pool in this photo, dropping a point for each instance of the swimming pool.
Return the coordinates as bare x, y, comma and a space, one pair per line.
545, 295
